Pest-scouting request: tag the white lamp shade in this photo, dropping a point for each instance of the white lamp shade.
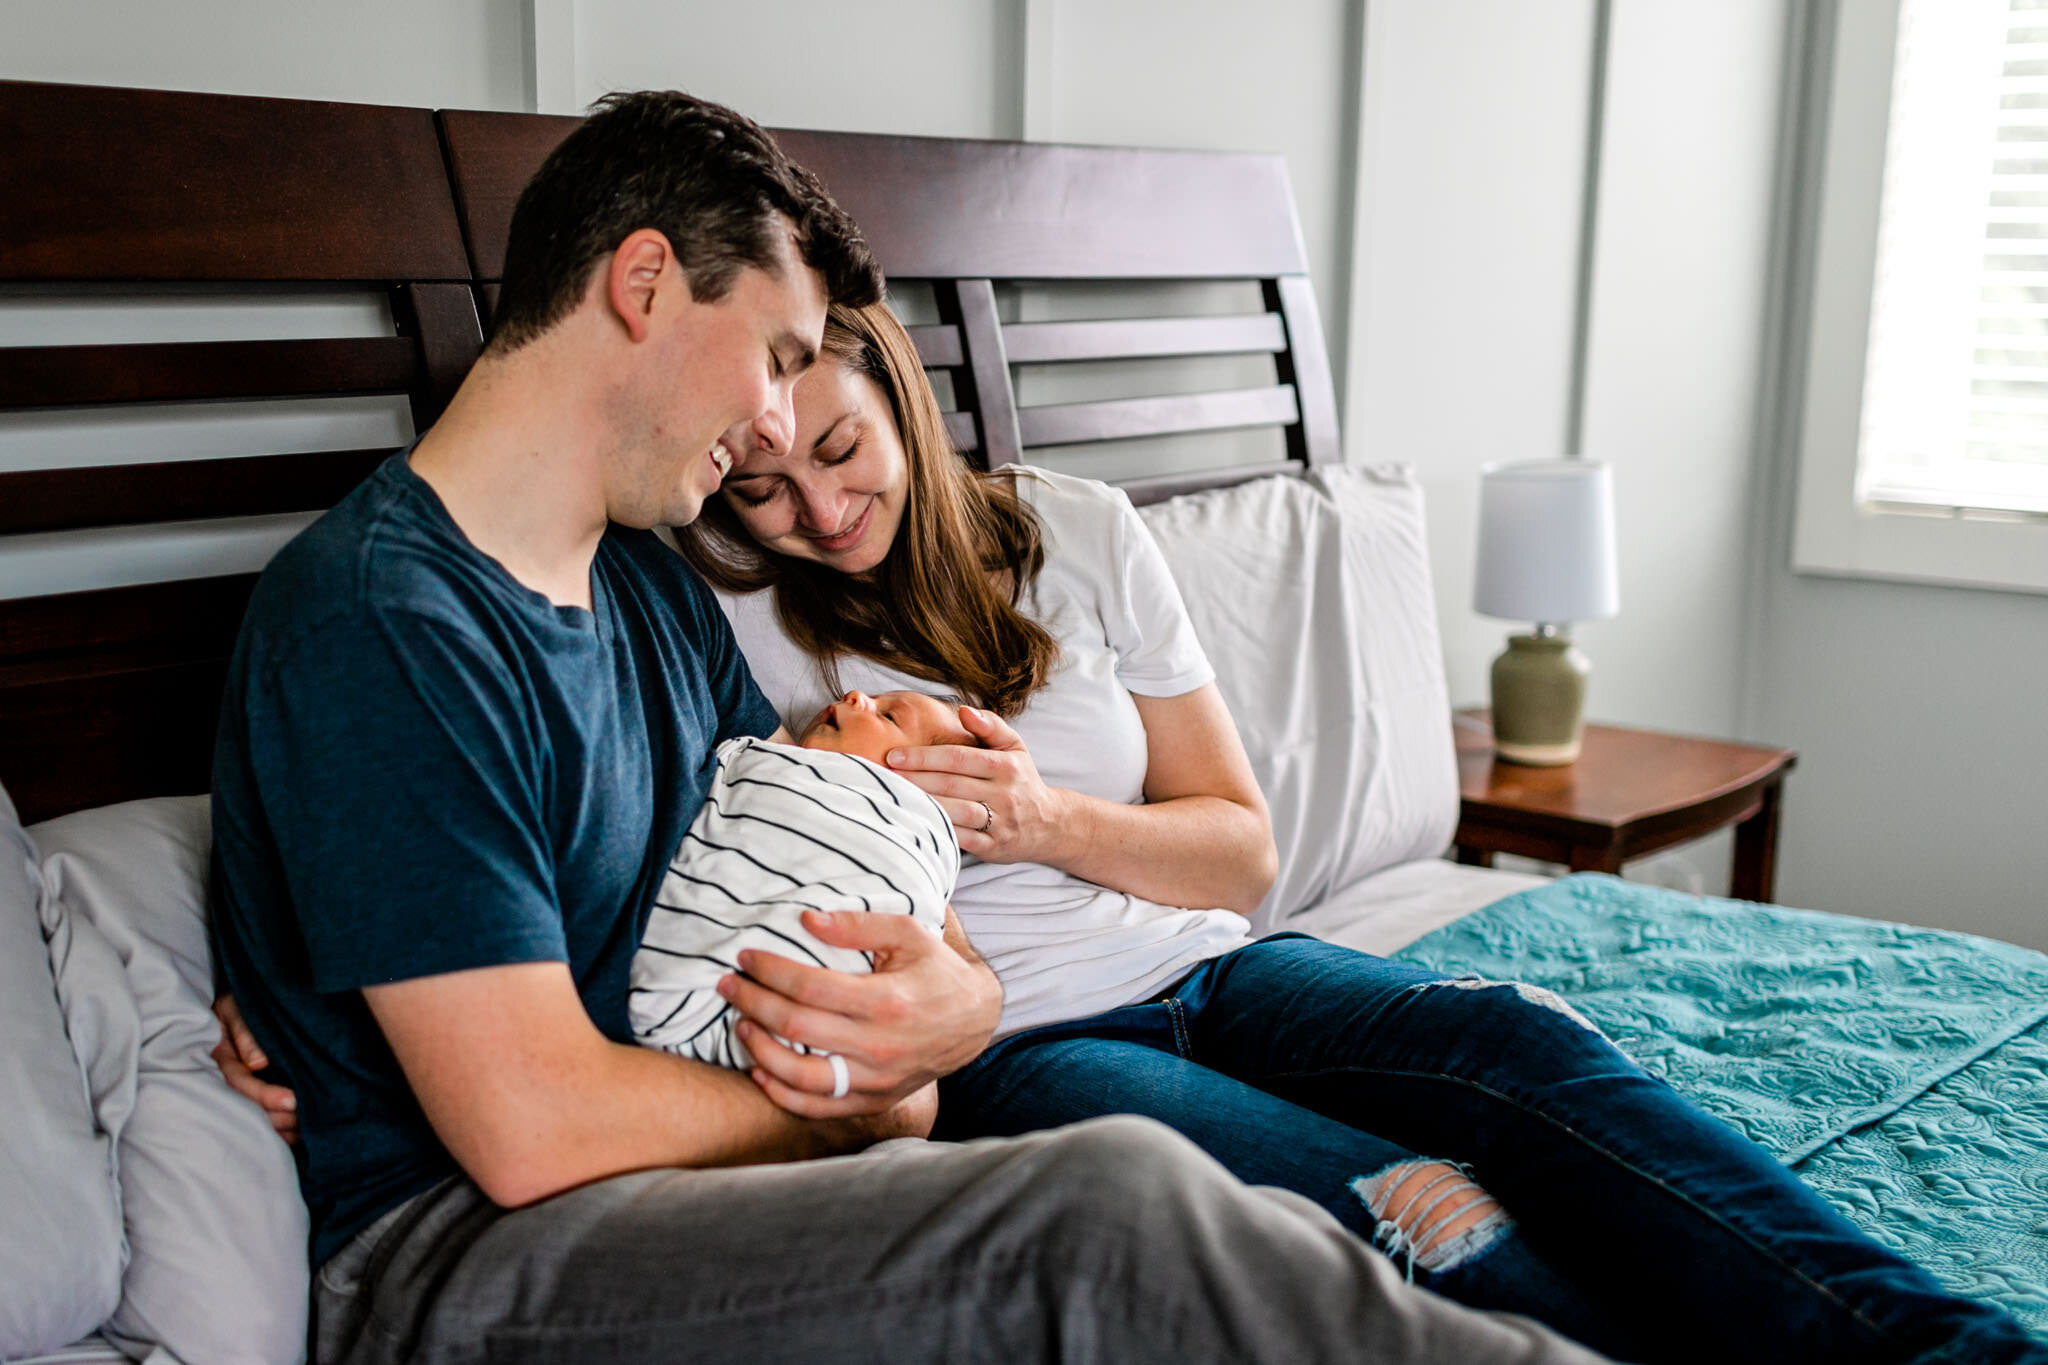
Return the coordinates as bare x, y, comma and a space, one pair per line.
1546, 542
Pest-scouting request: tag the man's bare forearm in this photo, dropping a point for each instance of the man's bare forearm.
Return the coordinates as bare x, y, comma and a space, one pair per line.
531, 1099
637, 1109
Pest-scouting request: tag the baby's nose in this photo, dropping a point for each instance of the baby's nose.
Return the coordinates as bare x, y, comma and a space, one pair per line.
860, 701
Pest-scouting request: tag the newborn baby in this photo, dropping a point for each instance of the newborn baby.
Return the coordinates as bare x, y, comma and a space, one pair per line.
785, 829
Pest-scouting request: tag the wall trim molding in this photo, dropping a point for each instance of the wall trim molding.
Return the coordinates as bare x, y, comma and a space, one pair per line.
551, 57
1781, 391
1589, 233
1038, 91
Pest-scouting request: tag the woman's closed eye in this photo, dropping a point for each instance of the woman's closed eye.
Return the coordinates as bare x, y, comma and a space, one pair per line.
762, 499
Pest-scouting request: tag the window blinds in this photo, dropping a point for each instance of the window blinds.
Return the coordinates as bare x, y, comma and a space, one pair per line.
1955, 401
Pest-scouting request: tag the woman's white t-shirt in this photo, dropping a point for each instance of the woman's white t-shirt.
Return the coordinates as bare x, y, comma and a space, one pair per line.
1064, 948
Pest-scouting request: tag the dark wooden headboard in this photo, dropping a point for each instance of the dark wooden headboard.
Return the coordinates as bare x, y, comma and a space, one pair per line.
112, 694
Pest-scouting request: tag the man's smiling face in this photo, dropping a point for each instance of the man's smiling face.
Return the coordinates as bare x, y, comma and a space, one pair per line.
715, 387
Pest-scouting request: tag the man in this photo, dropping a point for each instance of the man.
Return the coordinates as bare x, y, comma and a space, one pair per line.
472, 711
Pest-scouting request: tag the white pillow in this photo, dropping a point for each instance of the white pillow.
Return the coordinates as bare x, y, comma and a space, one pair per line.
210, 1196
1313, 599
60, 1235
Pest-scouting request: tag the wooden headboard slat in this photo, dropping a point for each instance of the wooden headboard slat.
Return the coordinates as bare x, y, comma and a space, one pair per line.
180, 490
110, 695
1306, 365
1121, 419
964, 432
982, 382
490, 158
443, 320
140, 735
1143, 338
106, 184
53, 376
193, 614
937, 346
1043, 211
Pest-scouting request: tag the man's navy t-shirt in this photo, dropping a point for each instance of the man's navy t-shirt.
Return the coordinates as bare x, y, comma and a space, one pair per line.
424, 766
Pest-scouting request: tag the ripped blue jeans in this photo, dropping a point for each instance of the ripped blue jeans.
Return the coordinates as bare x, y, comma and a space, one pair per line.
1634, 1221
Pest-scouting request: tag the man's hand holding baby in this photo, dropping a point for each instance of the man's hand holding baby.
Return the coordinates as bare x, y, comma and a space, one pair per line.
928, 1008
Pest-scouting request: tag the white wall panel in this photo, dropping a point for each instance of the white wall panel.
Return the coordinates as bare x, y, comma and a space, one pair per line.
467, 54
938, 67
1468, 206
1682, 255
1225, 76
1918, 713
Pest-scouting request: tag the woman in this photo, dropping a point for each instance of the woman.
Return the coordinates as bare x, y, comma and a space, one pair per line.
868, 556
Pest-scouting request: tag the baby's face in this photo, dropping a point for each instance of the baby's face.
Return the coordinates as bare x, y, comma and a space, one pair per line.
870, 727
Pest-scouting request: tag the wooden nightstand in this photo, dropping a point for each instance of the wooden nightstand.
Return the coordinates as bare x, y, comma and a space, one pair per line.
1632, 792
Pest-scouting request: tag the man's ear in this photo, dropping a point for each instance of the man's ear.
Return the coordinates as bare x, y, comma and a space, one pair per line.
637, 275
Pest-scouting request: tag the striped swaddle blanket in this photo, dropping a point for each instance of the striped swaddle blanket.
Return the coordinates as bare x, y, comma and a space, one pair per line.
783, 830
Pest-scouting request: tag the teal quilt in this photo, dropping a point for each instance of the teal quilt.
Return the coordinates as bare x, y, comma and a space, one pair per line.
1902, 1072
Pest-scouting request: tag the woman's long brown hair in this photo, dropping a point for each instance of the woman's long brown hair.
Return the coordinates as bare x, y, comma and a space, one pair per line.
943, 603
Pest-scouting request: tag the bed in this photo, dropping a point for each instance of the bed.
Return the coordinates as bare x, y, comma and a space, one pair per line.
1898, 1069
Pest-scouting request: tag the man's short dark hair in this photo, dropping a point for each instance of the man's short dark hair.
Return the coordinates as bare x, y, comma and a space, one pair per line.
710, 180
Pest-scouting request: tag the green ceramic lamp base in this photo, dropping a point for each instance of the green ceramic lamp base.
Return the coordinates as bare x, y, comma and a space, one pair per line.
1539, 699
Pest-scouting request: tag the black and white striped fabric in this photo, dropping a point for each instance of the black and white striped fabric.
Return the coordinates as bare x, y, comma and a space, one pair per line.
784, 830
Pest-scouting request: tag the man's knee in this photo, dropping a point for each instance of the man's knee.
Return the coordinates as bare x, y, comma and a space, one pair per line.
1122, 1152
1125, 1179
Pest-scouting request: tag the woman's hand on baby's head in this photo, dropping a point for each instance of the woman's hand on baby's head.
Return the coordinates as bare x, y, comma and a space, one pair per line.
1002, 810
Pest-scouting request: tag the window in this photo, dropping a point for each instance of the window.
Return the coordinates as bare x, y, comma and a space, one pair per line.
1925, 443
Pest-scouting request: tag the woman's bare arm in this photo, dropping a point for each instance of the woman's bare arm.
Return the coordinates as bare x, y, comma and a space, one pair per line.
1203, 837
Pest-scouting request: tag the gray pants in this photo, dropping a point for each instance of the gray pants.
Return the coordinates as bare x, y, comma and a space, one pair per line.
1114, 1240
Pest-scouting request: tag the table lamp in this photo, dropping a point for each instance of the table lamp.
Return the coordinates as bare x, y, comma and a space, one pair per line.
1546, 555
